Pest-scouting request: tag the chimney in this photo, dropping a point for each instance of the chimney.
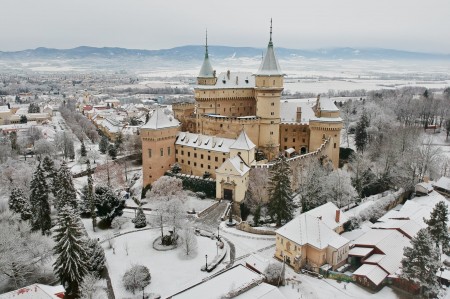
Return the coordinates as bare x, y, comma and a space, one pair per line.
299, 114
338, 215
242, 166
228, 74
237, 80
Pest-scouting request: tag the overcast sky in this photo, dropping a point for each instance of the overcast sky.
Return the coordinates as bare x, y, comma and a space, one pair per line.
416, 25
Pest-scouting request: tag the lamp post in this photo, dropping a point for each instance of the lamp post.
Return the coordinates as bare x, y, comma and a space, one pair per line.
143, 292
218, 236
206, 264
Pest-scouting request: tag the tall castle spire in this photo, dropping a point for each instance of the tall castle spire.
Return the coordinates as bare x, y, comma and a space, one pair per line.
206, 71
269, 66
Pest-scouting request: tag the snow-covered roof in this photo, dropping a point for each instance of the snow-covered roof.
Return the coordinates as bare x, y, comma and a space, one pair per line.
443, 183
269, 66
205, 142
327, 213
262, 291
160, 120
243, 142
360, 251
4, 109
389, 242
372, 272
326, 119
36, 291
307, 229
409, 227
232, 80
257, 262
234, 279
426, 186
288, 110
326, 104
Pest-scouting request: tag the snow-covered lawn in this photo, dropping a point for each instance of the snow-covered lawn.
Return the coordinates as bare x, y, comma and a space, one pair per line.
170, 271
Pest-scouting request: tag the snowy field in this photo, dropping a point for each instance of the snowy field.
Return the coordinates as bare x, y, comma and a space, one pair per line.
170, 270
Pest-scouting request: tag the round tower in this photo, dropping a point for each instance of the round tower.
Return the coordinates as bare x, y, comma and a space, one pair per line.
268, 88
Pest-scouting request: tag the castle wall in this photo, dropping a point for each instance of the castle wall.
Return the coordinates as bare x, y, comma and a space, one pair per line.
321, 130
226, 106
294, 136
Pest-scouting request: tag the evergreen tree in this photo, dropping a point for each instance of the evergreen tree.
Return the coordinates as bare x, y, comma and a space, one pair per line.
23, 119
361, 137
91, 198
65, 191
39, 202
83, 151
280, 205
96, 256
49, 167
70, 250
421, 262
19, 204
437, 226
140, 221
118, 142
103, 145
108, 205
112, 151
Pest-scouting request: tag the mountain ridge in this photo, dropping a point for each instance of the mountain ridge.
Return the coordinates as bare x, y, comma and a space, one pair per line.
196, 52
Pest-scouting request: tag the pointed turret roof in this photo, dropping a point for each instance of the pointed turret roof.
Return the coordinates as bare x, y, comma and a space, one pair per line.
160, 120
269, 66
206, 71
243, 142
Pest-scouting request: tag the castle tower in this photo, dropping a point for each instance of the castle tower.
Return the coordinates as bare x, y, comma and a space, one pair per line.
158, 137
244, 148
269, 85
207, 75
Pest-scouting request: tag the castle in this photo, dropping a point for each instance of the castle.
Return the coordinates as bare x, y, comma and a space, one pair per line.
238, 122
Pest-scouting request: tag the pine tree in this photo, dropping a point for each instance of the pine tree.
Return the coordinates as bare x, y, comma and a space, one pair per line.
280, 194
90, 197
96, 256
49, 167
65, 191
71, 150
103, 145
421, 262
39, 202
437, 226
361, 132
70, 250
140, 221
108, 205
19, 204
112, 151
83, 151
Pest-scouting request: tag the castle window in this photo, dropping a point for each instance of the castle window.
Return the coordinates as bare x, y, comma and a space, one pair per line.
209, 166
176, 152
195, 155
149, 152
272, 113
189, 154
195, 163
218, 105
223, 160
293, 139
216, 159
182, 152
285, 147
209, 158
271, 133
271, 122
272, 104
285, 139
176, 160
201, 156
273, 82
189, 162
201, 165
161, 150
182, 161
334, 145
303, 140
168, 151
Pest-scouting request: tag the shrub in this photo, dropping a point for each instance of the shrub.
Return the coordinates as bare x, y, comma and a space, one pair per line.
136, 278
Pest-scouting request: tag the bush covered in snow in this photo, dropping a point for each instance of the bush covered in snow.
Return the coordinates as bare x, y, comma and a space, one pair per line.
136, 278
274, 273
140, 221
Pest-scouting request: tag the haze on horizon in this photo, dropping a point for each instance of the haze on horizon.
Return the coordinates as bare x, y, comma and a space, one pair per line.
412, 25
